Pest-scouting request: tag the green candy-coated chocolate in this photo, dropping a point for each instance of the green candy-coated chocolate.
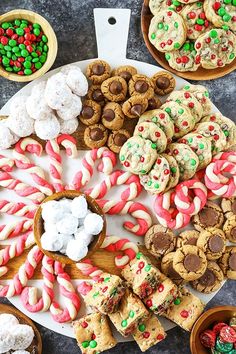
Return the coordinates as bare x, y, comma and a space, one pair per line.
221, 11
24, 53
34, 55
25, 21
17, 22
15, 49
177, 301
107, 279
93, 344
16, 69
44, 38
167, 56
9, 55
7, 48
20, 31
45, 48
36, 31
168, 110
36, 25
9, 68
176, 45
124, 323
216, 41
35, 60
148, 267
85, 344
193, 162
186, 47
27, 71
213, 34
227, 1
153, 36
160, 25
131, 314
12, 42
142, 327
225, 27
28, 58
173, 170
27, 64
226, 18
14, 57
5, 25
23, 25
199, 4
42, 58
176, 3
139, 255
226, 133
234, 2
200, 21
5, 61
21, 46
153, 146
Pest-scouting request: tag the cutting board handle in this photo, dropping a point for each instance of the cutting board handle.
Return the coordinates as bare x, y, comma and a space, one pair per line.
112, 29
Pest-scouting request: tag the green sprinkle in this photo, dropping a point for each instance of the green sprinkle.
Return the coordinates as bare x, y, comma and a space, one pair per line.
201, 146
148, 267
175, 3
227, 1
106, 279
85, 344
187, 87
206, 93
213, 34
178, 101
199, 4
153, 146
226, 18
129, 145
131, 314
234, 2
168, 110
177, 301
176, 45
160, 25
186, 48
200, 157
139, 255
167, 56
156, 185
93, 344
153, 36
95, 294
186, 158
142, 327
193, 162
124, 323
181, 111
221, 11
176, 24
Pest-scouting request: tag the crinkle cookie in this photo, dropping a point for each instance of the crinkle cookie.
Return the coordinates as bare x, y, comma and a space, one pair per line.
228, 206
167, 31
195, 19
201, 93
174, 172
168, 270
158, 5
214, 133
181, 116
230, 228
57, 93
90, 113
228, 262
95, 94
68, 126
221, 13
141, 85
98, 71
149, 130
226, 124
154, 103
125, 71
36, 104
201, 146
216, 48
161, 119
112, 116
212, 241
210, 216
71, 110
76, 80
183, 59
189, 100
188, 237
47, 129
156, 180
189, 262
138, 155
159, 240
95, 136
211, 280
186, 159
19, 121
135, 106
117, 139
114, 89
164, 83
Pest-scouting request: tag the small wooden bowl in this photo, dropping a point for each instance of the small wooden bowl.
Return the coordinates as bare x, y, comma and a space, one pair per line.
39, 227
199, 74
36, 346
206, 321
52, 43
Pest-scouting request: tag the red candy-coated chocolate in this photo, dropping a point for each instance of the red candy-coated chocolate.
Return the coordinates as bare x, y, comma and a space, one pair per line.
162, 115
160, 336
162, 44
146, 335
198, 45
157, 134
202, 15
185, 59
178, 60
184, 314
169, 42
198, 27
228, 334
208, 338
149, 303
216, 5
141, 128
192, 15
217, 328
84, 324
160, 288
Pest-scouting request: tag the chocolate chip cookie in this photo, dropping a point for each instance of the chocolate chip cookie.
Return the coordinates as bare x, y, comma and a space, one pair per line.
135, 106
212, 241
228, 262
164, 83
228, 206
90, 113
210, 216
141, 85
188, 237
230, 228
112, 116
95, 136
117, 139
159, 240
98, 71
114, 89
168, 270
125, 71
211, 280
190, 262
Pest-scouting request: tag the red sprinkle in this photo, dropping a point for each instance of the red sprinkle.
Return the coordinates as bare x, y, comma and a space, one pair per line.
141, 265
198, 27
216, 137
185, 59
169, 42
185, 123
219, 62
158, 161
142, 159
213, 56
178, 60
169, 13
176, 129
191, 104
160, 336
162, 44
187, 95
192, 15
202, 15
198, 45
105, 289
208, 40
93, 336
210, 128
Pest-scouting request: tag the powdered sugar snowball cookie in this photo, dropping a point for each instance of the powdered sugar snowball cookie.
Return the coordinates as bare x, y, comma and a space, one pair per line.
82, 235
6, 137
68, 126
227, 125
47, 129
79, 207
183, 59
167, 31
221, 13
77, 81
216, 48
36, 104
76, 250
158, 5
50, 228
19, 121
53, 211
70, 110
6, 340
65, 239
8, 320
214, 133
149, 130
23, 336
51, 241
66, 204
93, 224
21, 352
68, 224
57, 93
201, 93
195, 20
156, 180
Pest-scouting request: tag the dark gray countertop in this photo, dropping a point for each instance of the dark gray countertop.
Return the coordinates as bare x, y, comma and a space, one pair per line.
73, 24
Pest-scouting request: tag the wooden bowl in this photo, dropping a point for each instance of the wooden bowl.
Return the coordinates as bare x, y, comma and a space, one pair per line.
52, 43
36, 346
206, 321
199, 74
39, 226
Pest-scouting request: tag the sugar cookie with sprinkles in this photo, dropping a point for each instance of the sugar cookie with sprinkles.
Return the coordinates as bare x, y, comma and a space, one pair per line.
149, 130
158, 5
167, 31
189, 100
214, 133
183, 59
201, 93
221, 13
216, 48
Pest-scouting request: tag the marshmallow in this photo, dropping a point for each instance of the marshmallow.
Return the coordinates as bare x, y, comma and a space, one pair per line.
77, 82
65, 238
68, 224
79, 207
68, 126
53, 211
51, 242
83, 236
76, 250
6, 339
70, 110
36, 104
23, 336
7, 139
93, 224
8, 320
57, 93
47, 129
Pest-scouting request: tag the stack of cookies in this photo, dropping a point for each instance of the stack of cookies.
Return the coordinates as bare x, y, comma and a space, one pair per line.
172, 143
115, 98
194, 33
133, 312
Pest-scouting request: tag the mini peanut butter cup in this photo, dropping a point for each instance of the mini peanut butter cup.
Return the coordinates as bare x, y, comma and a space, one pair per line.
192, 262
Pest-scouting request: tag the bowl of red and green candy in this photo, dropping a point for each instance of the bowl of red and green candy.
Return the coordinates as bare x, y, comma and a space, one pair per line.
28, 45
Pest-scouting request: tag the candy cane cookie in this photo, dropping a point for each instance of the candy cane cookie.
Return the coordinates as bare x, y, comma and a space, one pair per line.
23, 162
15, 229
29, 296
3, 271
69, 143
229, 156
108, 161
21, 188
17, 209
25, 272
115, 244
6, 163
135, 209
117, 178
72, 300
88, 269
53, 150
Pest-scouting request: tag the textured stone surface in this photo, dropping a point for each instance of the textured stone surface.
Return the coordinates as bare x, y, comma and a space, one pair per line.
73, 23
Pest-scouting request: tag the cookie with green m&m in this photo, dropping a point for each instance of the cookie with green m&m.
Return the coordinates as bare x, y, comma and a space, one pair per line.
222, 13
167, 31
149, 130
183, 59
158, 5
174, 172
214, 133
201, 93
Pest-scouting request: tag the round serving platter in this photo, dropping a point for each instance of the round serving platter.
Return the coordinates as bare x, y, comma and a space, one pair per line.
112, 42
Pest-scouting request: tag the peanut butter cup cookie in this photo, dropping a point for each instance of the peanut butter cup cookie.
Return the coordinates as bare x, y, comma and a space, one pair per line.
188, 237
135, 106
117, 139
112, 116
90, 113
125, 71
95, 136
230, 228
98, 71
114, 89
229, 207
211, 280
212, 241
210, 216
228, 262
168, 270
141, 85
159, 240
164, 83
